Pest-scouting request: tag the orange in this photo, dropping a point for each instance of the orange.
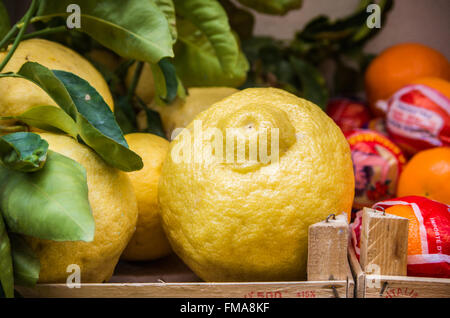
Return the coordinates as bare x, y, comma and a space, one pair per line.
427, 174
398, 66
438, 84
414, 241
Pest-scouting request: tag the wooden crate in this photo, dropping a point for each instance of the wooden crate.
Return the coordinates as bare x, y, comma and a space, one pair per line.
396, 286
390, 253
169, 277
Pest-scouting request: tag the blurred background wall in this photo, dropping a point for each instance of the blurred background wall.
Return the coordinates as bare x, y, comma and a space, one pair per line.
423, 21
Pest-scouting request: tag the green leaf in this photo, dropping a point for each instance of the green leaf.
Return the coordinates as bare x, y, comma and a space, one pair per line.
45, 79
23, 151
166, 81
324, 28
51, 203
133, 29
25, 263
168, 8
154, 124
210, 19
365, 33
91, 105
113, 153
253, 46
181, 92
171, 80
279, 7
197, 63
5, 24
241, 21
95, 122
347, 31
97, 126
6, 265
49, 118
313, 84
160, 84
125, 114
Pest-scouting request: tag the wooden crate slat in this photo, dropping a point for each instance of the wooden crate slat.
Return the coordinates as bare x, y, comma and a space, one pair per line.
384, 242
307, 289
357, 272
351, 285
327, 249
367, 286
170, 277
408, 287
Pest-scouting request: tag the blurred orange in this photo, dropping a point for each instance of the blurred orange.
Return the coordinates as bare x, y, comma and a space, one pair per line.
400, 64
427, 174
414, 241
439, 84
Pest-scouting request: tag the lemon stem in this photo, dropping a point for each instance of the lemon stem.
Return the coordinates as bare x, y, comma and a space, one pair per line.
45, 31
8, 36
136, 76
123, 67
17, 40
11, 129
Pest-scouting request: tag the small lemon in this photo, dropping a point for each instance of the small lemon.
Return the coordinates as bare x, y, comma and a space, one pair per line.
115, 212
232, 220
18, 95
104, 58
149, 241
180, 113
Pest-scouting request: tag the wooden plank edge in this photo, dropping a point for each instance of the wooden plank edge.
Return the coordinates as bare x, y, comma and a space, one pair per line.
329, 289
412, 286
350, 282
302, 289
384, 242
358, 273
407, 286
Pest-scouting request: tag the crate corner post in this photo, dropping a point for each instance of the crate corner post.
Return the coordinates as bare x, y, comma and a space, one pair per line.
327, 252
384, 243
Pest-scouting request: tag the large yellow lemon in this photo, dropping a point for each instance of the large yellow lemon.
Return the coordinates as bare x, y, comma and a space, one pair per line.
149, 241
115, 212
230, 219
18, 95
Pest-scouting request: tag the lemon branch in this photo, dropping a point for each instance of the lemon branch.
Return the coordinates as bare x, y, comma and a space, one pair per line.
22, 25
27, 18
10, 129
8, 36
45, 31
136, 76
